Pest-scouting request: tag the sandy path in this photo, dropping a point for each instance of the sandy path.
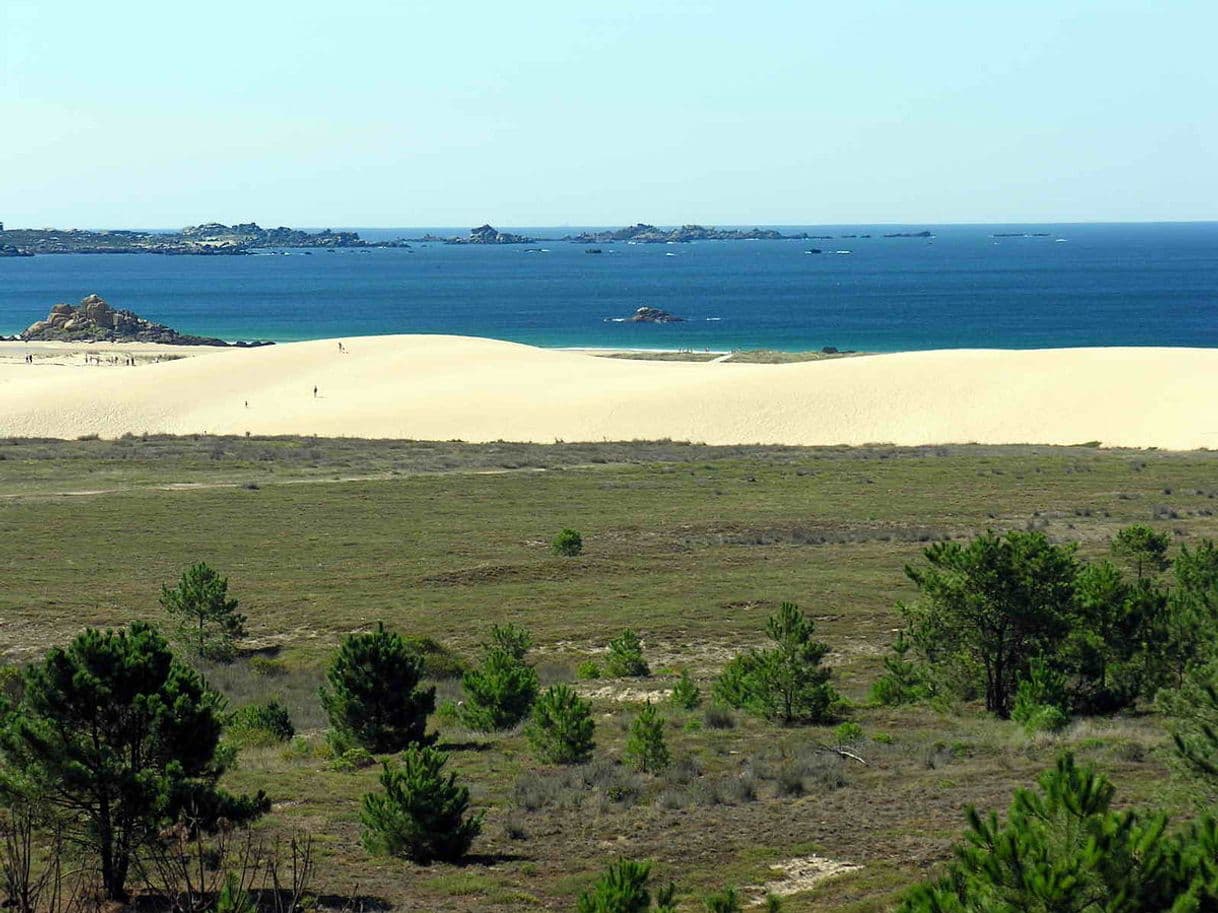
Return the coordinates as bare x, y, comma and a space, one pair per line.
445, 387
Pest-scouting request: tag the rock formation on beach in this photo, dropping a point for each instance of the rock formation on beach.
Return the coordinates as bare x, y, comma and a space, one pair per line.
93, 320
653, 315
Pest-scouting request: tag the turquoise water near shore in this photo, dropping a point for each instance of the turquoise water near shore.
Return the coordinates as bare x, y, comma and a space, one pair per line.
1128, 284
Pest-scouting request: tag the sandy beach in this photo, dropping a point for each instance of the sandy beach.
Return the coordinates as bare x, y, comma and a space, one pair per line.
448, 387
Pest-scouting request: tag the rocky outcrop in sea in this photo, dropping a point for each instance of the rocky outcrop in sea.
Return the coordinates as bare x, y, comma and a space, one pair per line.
649, 234
93, 320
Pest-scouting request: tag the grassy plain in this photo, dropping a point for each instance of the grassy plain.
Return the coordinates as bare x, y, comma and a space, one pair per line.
693, 546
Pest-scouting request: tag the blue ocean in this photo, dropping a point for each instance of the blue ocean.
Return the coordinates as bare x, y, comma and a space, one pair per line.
1077, 285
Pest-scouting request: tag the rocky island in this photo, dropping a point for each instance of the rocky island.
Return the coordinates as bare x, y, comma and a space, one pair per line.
643, 233
653, 315
93, 320
210, 239
483, 234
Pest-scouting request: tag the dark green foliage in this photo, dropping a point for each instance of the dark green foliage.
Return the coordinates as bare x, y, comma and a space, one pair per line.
260, 724
372, 694
724, 901
119, 739
685, 694
500, 692
988, 607
625, 657
623, 889
561, 727
511, 639
646, 749
1040, 700
1062, 848
568, 543
785, 683
207, 620
902, 681
1143, 550
420, 813
1194, 709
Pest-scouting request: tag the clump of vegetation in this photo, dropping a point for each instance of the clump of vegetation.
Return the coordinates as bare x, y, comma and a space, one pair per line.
726, 900
118, 738
1040, 701
207, 619
499, 693
848, 733
589, 669
1064, 848
372, 694
260, 724
1011, 615
646, 750
625, 659
685, 694
561, 728
439, 662
786, 683
421, 812
623, 889
350, 760
568, 543
902, 681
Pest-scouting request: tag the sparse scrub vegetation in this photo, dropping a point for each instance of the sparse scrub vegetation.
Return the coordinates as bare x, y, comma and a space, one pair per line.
741, 792
625, 658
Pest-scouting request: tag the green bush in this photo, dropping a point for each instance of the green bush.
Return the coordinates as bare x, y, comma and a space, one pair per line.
1041, 700
421, 812
439, 662
1064, 848
848, 733
568, 543
500, 692
561, 727
260, 724
372, 694
623, 889
685, 694
786, 683
588, 669
351, 760
646, 749
724, 901
902, 681
625, 657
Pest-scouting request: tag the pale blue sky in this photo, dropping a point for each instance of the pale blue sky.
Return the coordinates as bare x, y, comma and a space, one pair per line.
521, 112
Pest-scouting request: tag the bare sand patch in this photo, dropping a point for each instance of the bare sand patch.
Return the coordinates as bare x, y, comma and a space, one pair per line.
800, 874
481, 390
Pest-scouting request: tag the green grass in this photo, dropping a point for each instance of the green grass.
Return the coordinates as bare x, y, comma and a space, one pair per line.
692, 546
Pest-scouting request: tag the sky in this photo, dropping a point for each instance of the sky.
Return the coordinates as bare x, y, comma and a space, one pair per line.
535, 113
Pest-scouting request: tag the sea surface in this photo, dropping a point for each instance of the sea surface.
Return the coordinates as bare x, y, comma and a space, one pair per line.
1080, 285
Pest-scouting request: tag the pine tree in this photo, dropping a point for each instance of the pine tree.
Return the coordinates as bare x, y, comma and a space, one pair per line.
561, 727
622, 889
500, 692
421, 812
119, 738
1143, 550
785, 683
1062, 848
646, 749
207, 619
685, 694
625, 657
372, 694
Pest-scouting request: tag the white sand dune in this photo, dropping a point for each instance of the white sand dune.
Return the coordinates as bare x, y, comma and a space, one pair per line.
446, 387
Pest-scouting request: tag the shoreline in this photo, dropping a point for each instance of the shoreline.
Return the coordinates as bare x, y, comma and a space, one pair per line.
435, 387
